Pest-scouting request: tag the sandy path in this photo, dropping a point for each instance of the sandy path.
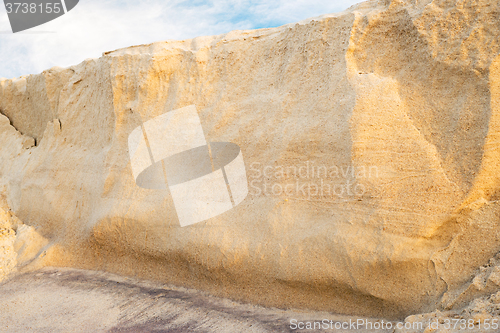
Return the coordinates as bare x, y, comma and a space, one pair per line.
70, 300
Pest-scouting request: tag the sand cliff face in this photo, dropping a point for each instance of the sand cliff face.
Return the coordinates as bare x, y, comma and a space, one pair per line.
371, 146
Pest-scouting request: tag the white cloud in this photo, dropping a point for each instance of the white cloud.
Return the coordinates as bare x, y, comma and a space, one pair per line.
96, 26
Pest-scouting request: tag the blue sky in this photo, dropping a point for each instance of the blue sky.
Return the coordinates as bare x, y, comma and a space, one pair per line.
96, 26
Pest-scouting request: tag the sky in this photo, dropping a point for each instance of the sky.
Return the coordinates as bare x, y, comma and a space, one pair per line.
97, 26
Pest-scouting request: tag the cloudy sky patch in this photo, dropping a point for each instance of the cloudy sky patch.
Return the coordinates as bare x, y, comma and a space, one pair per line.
96, 26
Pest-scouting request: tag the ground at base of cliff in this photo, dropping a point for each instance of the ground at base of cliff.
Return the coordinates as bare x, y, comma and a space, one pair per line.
73, 300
